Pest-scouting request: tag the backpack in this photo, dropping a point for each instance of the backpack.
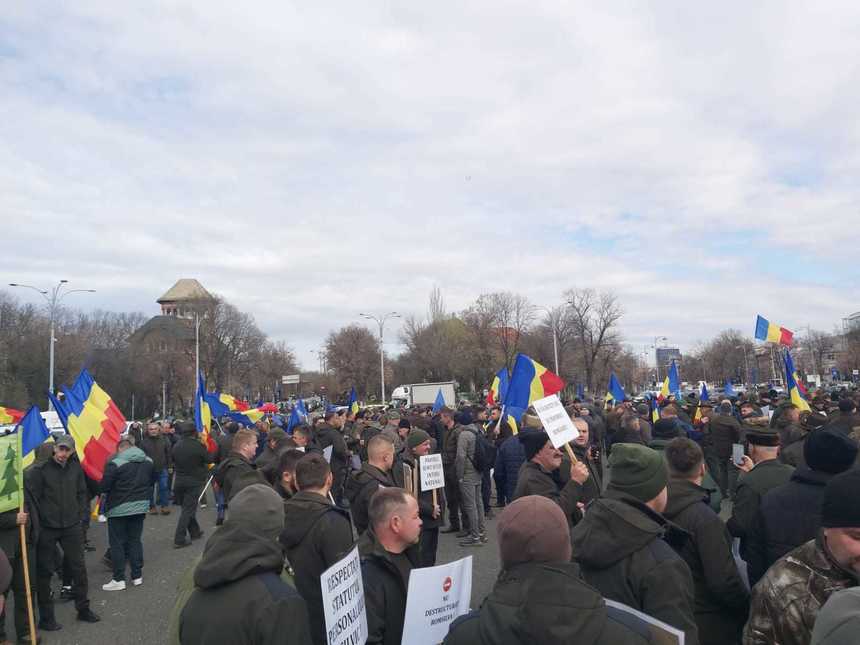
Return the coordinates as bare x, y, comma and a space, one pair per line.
483, 459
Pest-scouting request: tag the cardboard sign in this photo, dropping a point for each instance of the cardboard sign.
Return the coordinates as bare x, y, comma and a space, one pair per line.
555, 420
661, 633
432, 474
343, 602
436, 597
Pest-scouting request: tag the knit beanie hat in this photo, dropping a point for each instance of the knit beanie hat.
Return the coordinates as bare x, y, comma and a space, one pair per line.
533, 529
416, 438
533, 441
829, 452
846, 405
463, 417
637, 470
665, 429
841, 505
276, 434
404, 424
258, 507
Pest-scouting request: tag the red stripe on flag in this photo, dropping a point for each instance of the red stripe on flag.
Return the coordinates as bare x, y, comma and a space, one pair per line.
785, 337
552, 383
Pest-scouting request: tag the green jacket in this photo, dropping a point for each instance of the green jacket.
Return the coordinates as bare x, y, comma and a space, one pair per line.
752, 486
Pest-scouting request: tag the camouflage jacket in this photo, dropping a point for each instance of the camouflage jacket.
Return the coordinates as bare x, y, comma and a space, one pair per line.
786, 600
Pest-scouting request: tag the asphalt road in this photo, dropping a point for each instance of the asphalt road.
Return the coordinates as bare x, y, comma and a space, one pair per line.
140, 614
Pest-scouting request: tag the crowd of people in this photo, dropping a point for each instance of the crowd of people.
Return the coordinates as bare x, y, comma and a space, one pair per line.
637, 513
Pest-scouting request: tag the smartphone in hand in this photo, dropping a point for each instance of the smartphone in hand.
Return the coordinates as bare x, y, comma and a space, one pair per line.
737, 454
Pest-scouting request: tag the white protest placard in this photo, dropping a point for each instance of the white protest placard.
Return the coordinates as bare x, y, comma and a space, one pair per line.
343, 602
661, 633
327, 452
555, 420
432, 475
436, 597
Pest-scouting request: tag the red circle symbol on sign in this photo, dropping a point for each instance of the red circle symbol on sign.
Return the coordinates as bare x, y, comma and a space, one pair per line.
446, 586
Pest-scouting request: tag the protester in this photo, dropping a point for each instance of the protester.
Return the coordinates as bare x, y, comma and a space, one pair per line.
237, 470
284, 476
276, 443
539, 475
60, 495
376, 473
450, 434
786, 600
239, 595
191, 460
330, 433
592, 487
790, 515
470, 477
725, 431
158, 448
838, 621
302, 437
10, 546
509, 458
418, 445
127, 485
624, 545
316, 534
721, 597
761, 472
388, 554
539, 596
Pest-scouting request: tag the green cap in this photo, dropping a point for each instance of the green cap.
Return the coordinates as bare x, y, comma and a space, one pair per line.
637, 470
416, 438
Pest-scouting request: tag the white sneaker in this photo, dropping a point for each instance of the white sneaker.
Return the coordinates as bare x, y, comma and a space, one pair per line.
137, 582
114, 585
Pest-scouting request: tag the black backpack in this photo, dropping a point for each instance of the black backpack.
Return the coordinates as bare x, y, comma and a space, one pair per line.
483, 459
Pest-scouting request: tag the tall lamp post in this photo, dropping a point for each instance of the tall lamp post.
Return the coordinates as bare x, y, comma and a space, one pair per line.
746, 365
380, 320
53, 297
552, 324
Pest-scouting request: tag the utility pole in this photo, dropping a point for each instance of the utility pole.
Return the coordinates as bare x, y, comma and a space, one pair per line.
552, 323
53, 297
381, 322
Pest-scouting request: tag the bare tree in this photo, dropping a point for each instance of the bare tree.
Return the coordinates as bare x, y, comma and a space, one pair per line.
593, 317
353, 356
436, 308
818, 345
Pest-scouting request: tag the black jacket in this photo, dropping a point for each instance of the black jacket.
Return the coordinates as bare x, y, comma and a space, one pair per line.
158, 449
544, 604
725, 431
509, 459
534, 480
721, 598
384, 590
327, 436
593, 486
316, 535
788, 516
10, 540
360, 487
190, 460
236, 472
240, 598
425, 498
624, 550
60, 493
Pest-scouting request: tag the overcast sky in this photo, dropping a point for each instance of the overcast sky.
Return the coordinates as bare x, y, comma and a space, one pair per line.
308, 163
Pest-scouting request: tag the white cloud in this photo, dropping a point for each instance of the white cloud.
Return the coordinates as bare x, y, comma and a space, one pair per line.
309, 162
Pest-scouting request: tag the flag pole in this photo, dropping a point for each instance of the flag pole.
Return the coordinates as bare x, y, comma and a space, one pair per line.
24, 556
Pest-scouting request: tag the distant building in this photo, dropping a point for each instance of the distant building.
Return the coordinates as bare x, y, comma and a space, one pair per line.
665, 356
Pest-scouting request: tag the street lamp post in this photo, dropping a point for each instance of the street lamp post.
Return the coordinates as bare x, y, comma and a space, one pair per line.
381, 322
552, 324
746, 365
53, 297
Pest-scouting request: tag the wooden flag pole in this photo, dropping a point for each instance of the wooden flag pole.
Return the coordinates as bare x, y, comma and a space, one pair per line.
570, 454
26, 561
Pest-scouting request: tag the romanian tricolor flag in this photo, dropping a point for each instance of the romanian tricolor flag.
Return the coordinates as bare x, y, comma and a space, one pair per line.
792, 383
93, 420
703, 396
671, 384
203, 415
655, 411
233, 404
248, 418
34, 433
352, 403
530, 381
771, 333
614, 391
499, 388
10, 415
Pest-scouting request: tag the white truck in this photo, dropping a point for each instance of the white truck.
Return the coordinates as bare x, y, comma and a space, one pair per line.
424, 394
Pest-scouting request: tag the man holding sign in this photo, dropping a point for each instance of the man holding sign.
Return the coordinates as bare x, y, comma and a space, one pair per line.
430, 490
536, 475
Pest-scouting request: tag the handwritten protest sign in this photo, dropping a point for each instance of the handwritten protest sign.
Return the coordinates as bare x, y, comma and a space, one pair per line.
343, 602
555, 420
436, 597
432, 475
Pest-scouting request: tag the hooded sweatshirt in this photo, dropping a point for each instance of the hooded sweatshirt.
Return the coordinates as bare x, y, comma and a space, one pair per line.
547, 604
240, 597
315, 534
624, 550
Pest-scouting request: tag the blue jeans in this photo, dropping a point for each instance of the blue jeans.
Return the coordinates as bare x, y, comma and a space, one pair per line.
219, 503
163, 491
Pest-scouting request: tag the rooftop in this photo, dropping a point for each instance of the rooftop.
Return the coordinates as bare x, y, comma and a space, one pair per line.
185, 289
